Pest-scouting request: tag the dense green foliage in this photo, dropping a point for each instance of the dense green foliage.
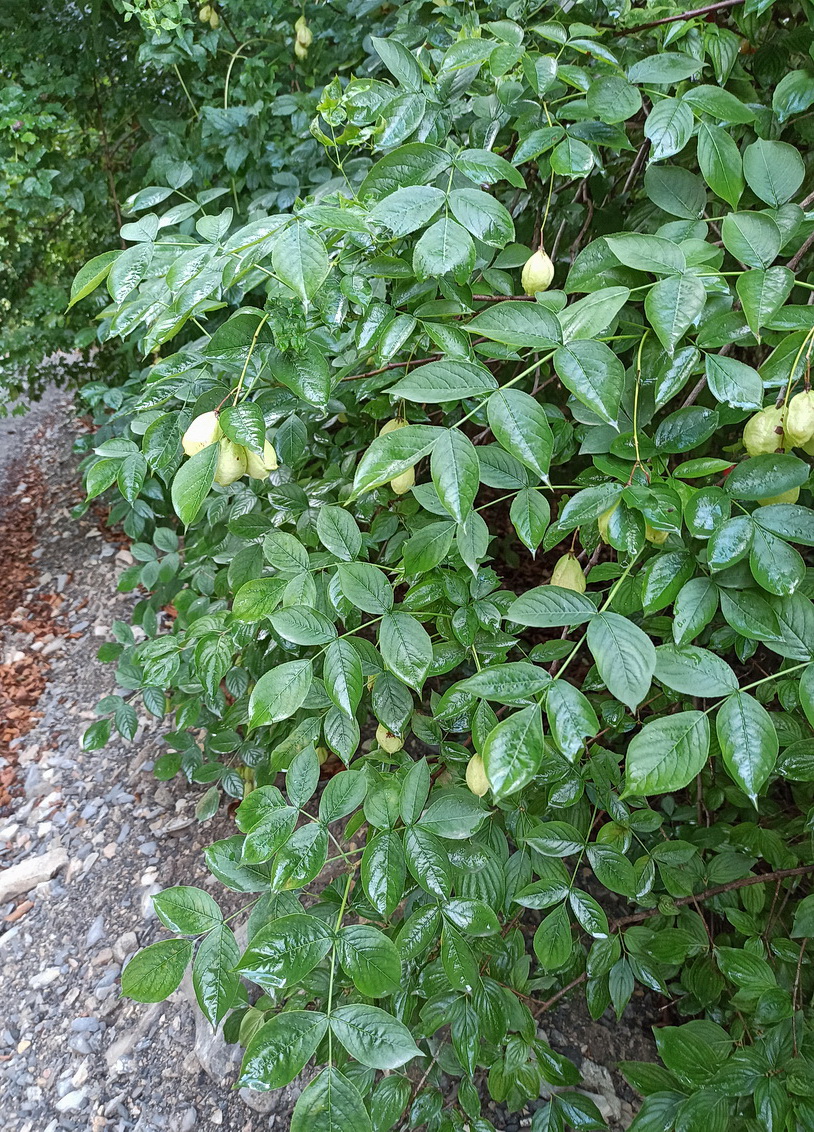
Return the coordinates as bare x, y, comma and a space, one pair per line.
95, 106
645, 722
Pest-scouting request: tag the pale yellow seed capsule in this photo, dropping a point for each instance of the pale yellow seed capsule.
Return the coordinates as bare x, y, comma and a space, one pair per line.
323, 754
476, 778
205, 13
304, 34
387, 740
300, 50
214, 21
798, 425
760, 435
231, 462
603, 522
654, 536
537, 274
808, 448
391, 426
203, 431
259, 467
568, 574
402, 484
787, 497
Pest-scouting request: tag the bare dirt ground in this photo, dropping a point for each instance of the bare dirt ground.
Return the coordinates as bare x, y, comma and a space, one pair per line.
96, 836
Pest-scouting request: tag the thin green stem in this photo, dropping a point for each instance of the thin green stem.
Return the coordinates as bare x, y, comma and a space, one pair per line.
337, 926
611, 594
807, 341
255, 336
638, 463
513, 381
186, 91
245, 908
232, 60
763, 680
572, 881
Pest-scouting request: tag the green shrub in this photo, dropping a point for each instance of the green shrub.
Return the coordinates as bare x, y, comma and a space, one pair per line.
569, 601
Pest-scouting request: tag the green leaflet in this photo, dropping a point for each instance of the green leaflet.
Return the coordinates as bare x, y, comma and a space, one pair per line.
748, 742
667, 754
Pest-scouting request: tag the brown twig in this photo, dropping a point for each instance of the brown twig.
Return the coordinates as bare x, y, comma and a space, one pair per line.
124, 138
693, 393
111, 183
794, 262
392, 365
696, 389
504, 298
557, 239
718, 890
638, 161
542, 1007
638, 917
795, 993
589, 215
720, 6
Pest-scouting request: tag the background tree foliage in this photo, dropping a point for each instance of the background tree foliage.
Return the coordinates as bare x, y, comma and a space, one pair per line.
329, 239
98, 99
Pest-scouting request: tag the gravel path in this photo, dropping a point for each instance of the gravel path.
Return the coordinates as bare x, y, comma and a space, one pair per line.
95, 836
96, 833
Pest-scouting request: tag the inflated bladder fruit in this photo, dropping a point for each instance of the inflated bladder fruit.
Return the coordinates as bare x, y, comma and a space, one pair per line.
300, 50
790, 496
476, 778
603, 522
391, 426
537, 273
654, 536
214, 20
402, 484
231, 462
798, 424
204, 13
203, 431
259, 467
760, 435
387, 740
323, 754
304, 34
568, 574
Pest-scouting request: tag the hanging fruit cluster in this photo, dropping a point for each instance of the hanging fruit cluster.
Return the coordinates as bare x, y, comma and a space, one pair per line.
208, 14
304, 37
234, 460
780, 428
